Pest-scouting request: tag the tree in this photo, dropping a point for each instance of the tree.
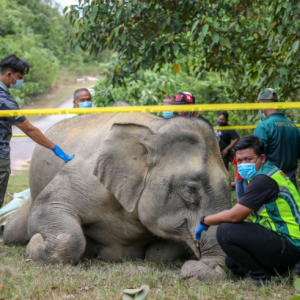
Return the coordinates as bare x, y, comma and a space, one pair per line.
252, 44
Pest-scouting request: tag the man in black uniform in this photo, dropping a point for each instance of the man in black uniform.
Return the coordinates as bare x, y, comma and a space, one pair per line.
227, 138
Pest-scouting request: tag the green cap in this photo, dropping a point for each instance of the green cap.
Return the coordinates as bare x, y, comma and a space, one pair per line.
267, 94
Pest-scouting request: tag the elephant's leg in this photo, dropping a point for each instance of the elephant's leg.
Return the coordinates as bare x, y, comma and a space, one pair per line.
15, 231
56, 237
212, 257
164, 250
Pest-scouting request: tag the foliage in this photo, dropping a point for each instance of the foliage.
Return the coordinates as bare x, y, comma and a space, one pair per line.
152, 87
252, 43
297, 287
37, 32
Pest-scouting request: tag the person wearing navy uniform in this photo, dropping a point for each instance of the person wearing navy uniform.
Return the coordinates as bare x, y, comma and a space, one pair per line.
12, 72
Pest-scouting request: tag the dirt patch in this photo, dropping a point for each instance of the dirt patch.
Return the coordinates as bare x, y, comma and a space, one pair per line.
20, 165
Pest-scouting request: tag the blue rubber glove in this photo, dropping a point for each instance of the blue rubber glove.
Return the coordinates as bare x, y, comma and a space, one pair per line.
61, 154
199, 230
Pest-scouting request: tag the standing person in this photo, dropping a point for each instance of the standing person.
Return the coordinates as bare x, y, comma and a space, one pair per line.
82, 98
227, 138
12, 72
184, 98
240, 182
271, 243
168, 101
281, 137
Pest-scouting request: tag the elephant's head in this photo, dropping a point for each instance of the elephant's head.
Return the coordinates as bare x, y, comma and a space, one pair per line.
169, 177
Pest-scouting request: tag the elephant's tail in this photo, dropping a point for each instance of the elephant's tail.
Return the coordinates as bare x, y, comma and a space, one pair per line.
15, 231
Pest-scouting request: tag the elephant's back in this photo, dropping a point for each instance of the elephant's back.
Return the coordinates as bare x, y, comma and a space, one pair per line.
82, 136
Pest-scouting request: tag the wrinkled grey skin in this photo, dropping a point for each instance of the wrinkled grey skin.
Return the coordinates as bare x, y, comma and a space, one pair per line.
136, 180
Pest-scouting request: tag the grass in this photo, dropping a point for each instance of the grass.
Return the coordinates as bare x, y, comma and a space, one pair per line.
94, 279
17, 183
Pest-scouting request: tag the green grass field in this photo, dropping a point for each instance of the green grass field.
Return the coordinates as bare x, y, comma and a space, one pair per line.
94, 279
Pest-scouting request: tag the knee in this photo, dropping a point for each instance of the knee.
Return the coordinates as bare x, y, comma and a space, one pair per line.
224, 232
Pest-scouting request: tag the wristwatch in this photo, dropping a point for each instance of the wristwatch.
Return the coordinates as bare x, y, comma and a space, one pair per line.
227, 148
202, 221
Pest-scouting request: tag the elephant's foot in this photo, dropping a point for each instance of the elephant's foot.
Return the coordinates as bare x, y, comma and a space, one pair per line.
206, 268
34, 245
167, 251
64, 248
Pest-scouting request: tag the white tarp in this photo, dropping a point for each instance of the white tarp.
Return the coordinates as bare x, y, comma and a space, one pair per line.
7, 211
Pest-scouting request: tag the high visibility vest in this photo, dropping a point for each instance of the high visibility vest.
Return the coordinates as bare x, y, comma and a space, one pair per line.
282, 215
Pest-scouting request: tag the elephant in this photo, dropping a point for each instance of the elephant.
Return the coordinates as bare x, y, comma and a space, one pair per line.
137, 188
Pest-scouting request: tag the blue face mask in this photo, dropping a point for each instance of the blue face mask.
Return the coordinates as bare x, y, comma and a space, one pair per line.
262, 114
18, 83
247, 171
85, 104
168, 114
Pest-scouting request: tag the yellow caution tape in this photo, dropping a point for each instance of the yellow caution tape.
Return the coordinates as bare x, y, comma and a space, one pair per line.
19, 135
149, 109
215, 128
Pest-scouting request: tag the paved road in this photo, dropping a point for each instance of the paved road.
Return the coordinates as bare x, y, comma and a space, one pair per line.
22, 148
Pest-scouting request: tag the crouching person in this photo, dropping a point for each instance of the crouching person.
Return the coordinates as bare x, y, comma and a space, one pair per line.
270, 244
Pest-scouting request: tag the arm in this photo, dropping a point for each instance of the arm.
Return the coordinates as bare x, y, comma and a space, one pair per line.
35, 134
229, 147
234, 215
234, 142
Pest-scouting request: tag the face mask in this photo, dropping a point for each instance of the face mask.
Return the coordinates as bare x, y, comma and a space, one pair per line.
168, 114
262, 114
85, 104
222, 123
247, 171
18, 83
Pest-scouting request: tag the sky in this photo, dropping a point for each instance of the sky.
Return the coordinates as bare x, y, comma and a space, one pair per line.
67, 2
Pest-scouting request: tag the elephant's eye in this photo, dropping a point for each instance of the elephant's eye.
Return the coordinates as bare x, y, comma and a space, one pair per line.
193, 190
190, 193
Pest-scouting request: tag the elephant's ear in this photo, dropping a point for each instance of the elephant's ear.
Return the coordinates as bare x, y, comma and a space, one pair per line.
122, 162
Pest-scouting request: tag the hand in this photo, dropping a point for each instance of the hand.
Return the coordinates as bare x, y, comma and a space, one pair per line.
224, 152
61, 154
199, 230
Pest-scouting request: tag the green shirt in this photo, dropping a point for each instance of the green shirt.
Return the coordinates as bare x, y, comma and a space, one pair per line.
281, 138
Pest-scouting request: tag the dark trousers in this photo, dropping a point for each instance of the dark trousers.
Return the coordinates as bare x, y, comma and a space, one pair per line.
4, 176
252, 249
226, 161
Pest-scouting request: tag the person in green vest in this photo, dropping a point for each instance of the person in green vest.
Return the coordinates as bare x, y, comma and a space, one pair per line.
281, 137
270, 244
82, 98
